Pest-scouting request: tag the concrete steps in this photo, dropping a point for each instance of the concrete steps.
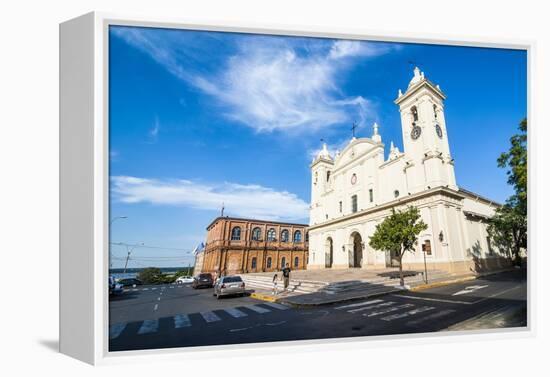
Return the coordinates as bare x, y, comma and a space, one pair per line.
265, 283
298, 286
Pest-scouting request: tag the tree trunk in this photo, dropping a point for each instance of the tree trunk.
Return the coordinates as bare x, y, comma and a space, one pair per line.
401, 279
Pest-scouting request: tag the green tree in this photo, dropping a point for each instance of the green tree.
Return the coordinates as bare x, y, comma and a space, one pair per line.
151, 275
508, 227
398, 233
516, 162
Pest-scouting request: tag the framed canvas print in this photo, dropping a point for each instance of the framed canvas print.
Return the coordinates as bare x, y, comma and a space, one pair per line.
228, 187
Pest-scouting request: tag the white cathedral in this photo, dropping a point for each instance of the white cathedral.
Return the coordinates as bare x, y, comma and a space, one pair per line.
354, 190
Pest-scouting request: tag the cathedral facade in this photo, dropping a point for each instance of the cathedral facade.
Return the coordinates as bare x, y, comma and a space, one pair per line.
355, 189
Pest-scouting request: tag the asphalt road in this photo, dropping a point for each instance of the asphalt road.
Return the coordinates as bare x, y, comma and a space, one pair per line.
179, 316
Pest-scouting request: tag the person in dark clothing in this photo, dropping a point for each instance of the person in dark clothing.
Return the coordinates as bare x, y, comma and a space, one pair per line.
286, 275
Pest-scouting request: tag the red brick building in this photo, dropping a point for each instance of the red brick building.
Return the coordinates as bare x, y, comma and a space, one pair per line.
235, 245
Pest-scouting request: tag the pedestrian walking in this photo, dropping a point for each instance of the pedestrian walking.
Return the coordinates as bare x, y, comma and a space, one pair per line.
275, 277
286, 276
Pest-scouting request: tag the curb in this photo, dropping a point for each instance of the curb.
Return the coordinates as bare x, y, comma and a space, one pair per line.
442, 283
350, 299
263, 297
457, 280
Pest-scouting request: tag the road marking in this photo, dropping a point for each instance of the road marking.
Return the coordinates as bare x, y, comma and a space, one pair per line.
430, 317
158, 298
257, 309
388, 310
235, 312
153, 289
276, 305
409, 313
181, 320
275, 323
145, 289
210, 317
241, 329
497, 294
149, 326
156, 307
171, 287
435, 299
115, 330
470, 289
359, 304
389, 303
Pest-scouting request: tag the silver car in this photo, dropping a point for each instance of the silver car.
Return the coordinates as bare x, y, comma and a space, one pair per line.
229, 285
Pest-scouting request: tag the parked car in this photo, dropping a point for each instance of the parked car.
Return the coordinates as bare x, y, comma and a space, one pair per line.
114, 287
130, 282
229, 285
184, 280
203, 280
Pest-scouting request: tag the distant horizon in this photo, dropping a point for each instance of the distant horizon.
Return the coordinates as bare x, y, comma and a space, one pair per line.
202, 120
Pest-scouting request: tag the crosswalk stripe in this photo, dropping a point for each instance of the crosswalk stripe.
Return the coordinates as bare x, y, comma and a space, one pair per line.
181, 320
210, 317
257, 309
408, 313
388, 310
149, 326
382, 305
115, 330
431, 316
359, 304
235, 312
276, 305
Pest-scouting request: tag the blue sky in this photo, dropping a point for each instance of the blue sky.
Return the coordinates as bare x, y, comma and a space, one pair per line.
201, 118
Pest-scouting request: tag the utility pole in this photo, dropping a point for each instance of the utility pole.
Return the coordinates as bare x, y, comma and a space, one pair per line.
128, 256
110, 225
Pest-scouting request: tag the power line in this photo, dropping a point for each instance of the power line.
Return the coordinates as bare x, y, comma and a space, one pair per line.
150, 247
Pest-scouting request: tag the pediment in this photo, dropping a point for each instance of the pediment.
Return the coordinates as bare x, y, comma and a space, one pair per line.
354, 149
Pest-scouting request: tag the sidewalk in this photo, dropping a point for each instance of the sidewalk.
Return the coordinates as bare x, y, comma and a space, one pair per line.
350, 290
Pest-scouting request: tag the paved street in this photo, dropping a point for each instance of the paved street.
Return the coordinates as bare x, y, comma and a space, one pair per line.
179, 316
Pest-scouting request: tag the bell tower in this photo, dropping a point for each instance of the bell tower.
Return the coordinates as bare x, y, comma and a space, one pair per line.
429, 162
321, 168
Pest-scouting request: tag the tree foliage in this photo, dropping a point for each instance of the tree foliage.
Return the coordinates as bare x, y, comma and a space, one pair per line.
508, 227
151, 275
516, 162
398, 233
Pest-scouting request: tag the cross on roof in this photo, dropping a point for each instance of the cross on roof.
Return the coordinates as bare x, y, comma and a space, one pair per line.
353, 127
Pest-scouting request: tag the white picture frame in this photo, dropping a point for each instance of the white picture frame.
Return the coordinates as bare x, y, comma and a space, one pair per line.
84, 157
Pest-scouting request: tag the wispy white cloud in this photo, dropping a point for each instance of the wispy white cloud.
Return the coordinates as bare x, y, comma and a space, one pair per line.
154, 131
270, 83
240, 200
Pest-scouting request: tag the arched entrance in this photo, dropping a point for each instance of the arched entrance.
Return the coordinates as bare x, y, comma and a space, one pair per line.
329, 254
356, 250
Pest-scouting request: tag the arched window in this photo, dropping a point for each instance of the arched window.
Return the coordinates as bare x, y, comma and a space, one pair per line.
414, 112
297, 236
307, 236
396, 193
296, 262
283, 262
256, 234
236, 234
268, 262
271, 234
253, 265
284, 235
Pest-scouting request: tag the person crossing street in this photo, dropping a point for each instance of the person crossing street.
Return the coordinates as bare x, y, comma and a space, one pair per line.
286, 276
